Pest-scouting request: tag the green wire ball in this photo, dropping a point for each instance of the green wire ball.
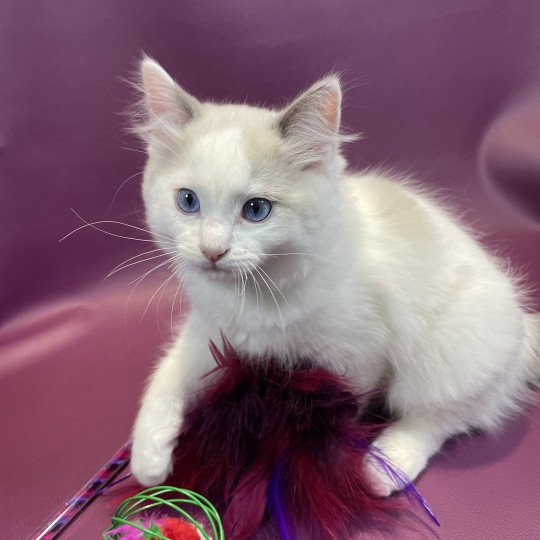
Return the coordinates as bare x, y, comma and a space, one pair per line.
170, 497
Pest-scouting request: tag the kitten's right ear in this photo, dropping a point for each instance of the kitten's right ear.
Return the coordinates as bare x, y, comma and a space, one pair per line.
167, 108
310, 125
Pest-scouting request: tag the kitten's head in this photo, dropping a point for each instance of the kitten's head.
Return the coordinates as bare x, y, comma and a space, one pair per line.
228, 187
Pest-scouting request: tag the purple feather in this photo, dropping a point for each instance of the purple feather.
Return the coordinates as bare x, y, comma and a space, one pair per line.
276, 505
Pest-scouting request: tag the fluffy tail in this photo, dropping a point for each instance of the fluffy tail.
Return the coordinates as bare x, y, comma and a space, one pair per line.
532, 332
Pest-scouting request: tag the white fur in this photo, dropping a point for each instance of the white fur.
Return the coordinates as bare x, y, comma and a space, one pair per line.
358, 272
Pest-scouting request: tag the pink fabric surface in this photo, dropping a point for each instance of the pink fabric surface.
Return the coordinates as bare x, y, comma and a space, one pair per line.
70, 380
446, 91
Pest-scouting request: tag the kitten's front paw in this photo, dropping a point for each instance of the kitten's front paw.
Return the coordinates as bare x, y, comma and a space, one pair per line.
379, 482
150, 465
403, 454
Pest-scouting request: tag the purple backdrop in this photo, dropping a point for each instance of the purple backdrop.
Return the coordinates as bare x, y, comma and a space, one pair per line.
448, 91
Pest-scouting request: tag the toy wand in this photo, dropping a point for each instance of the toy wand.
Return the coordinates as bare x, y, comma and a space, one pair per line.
94, 487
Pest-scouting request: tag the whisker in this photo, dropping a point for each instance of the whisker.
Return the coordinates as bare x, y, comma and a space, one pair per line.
298, 253
138, 282
236, 290
172, 307
136, 256
93, 225
145, 153
164, 284
243, 292
161, 297
273, 283
273, 296
183, 281
118, 269
121, 186
140, 278
255, 283
181, 270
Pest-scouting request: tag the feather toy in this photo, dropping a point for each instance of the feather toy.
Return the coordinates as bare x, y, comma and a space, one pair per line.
268, 443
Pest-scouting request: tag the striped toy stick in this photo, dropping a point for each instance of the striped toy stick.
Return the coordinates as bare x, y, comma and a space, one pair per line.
94, 487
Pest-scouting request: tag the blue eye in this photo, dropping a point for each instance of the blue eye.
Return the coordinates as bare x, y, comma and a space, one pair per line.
188, 201
257, 209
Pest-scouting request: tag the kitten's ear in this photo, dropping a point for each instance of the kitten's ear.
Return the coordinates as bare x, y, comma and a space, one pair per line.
166, 106
311, 122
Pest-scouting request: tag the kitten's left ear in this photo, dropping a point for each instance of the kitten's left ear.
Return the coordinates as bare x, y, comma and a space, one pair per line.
311, 122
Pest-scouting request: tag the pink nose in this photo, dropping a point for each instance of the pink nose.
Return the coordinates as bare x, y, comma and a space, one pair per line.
214, 255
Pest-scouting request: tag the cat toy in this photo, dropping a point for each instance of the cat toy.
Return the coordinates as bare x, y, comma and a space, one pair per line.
282, 448
133, 520
103, 479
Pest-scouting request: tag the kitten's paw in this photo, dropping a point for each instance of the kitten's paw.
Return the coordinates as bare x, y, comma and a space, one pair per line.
380, 484
402, 452
150, 465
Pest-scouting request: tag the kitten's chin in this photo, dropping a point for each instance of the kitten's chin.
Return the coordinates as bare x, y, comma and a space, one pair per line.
216, 273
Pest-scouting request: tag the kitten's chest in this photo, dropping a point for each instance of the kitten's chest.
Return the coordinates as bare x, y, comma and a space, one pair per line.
333, 337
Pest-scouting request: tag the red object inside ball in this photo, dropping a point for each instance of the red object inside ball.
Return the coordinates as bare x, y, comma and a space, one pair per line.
176, 529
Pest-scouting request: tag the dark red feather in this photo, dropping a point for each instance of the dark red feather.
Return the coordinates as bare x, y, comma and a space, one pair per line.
252, 416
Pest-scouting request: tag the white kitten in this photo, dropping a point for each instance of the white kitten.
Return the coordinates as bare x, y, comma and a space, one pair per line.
291, 256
